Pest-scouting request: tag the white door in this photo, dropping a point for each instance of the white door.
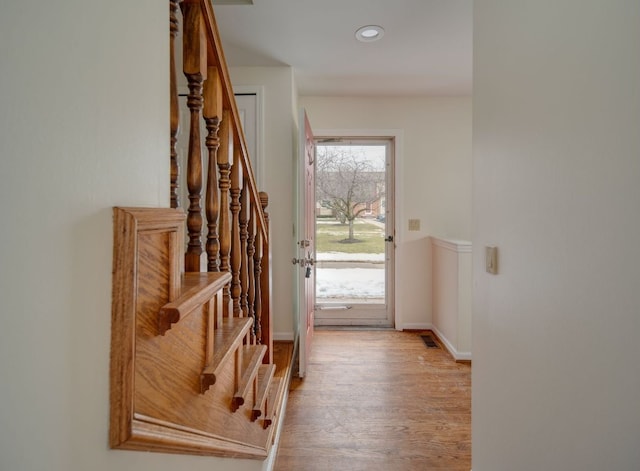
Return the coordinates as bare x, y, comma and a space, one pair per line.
306, 246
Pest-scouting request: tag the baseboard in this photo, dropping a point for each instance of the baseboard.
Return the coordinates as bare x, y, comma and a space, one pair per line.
283, 336
457, 356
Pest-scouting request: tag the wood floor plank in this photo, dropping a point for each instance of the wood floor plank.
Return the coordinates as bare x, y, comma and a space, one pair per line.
377, 400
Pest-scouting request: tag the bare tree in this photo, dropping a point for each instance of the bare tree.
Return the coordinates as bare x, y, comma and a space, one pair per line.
347, 183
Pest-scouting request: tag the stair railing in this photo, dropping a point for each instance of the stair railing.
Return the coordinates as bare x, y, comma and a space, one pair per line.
237, 231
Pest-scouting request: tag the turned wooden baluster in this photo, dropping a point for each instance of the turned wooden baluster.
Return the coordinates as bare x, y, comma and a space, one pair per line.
251, 286
194, 65
264, 322
174, 109
236, 182
212, 113
225, 157
244, 235
257, 269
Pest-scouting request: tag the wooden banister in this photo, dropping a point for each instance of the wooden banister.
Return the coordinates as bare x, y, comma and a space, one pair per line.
237, 238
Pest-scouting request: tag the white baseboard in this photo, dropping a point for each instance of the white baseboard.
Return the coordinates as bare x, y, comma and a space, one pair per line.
458, 356
283, 336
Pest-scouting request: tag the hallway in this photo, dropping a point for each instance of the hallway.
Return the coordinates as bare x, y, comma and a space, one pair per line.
378, 400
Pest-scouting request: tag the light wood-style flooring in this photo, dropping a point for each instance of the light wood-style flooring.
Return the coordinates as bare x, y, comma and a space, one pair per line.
378, 400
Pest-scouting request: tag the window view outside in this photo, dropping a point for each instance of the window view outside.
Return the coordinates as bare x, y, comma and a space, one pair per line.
350, 224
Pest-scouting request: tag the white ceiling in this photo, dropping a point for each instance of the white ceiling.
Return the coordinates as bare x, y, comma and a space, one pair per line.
426, 48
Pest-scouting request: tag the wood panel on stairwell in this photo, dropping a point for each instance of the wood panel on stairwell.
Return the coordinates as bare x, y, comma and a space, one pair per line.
194, 386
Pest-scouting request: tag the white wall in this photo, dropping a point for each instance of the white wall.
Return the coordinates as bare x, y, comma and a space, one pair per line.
279, 178
434, 178
452, 286
83, 127
556, 144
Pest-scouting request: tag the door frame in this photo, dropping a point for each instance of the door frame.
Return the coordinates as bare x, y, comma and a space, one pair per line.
396, 135
258, 91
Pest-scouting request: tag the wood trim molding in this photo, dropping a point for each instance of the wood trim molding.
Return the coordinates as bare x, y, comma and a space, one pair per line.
459, 246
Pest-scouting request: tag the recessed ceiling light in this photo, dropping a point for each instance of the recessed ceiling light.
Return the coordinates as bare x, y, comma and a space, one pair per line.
369, 33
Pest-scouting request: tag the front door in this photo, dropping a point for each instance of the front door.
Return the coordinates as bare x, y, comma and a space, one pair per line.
306, 246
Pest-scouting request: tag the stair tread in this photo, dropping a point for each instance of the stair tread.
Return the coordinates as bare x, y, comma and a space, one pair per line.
265, 377
195, 290
275, 396
252, 356
227, 338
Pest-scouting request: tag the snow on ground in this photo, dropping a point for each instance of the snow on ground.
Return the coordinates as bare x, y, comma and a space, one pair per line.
349, 257
349, 282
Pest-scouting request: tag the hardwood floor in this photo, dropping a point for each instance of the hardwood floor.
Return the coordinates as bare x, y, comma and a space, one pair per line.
378, 400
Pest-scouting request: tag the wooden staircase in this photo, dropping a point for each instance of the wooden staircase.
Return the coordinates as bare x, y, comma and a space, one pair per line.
186, 375
192, 354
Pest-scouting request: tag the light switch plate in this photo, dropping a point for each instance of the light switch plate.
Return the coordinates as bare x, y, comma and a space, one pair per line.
491, 260
414, 224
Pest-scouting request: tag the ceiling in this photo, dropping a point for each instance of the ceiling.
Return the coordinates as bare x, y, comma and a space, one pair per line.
426, 48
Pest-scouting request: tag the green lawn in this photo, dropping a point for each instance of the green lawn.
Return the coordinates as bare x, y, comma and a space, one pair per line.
330, 233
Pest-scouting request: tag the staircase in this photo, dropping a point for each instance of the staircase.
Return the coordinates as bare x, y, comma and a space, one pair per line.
192, 353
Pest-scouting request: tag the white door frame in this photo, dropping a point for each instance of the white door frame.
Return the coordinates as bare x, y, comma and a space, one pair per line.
397, 136
258, 91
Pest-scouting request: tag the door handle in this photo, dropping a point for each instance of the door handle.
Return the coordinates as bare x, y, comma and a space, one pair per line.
388, 238
303, 261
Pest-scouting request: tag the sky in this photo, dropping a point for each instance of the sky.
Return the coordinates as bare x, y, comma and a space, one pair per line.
373, 153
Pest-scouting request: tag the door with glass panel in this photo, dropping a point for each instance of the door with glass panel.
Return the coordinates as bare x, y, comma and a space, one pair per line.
354, 232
